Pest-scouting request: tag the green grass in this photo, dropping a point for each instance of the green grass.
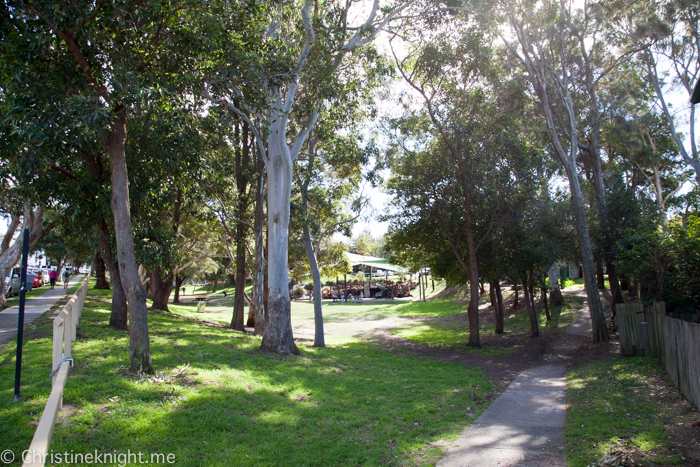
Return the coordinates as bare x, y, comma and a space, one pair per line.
348, 404
450, 336
220, 308
611, 404
579, 283
455, 336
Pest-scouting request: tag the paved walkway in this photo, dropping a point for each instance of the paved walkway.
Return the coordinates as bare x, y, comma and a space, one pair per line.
33, 308
524, 426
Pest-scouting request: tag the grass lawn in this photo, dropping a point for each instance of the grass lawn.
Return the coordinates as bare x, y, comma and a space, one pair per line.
455, 335
348, 404
615, 404
220, 308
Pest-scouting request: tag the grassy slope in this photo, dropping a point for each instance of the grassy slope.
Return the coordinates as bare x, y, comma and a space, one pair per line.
350, 404
612, 403
455, 335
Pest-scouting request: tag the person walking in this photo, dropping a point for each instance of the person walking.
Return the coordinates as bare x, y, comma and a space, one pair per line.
53, 275
66, 278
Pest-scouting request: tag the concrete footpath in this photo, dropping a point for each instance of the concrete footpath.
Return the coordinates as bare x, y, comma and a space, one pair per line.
33, 308
524, 426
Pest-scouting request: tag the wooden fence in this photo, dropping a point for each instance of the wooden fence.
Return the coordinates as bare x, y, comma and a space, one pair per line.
64, 334
647, 330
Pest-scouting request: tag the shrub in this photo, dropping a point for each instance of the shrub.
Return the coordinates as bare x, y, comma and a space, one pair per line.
666, 263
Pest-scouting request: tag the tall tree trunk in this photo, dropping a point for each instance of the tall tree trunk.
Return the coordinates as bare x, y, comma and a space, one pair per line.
319, 339
545, 301
118, 317
6, 265
239, 297
278, 335
100, 273
12, 252
499, 307
161, 288
600, 275
568, 160
492, 294
179, 280
531, 313
555, 296
615, 289
242, 163
139, 343
600, 330
515, 294
474, 340
258, 301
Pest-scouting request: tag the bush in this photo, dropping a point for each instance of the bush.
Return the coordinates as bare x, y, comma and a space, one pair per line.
666, 263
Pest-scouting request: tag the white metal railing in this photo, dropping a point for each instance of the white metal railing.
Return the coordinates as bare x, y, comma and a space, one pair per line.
64, 334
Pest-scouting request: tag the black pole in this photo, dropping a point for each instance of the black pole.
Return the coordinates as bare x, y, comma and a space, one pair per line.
20, 324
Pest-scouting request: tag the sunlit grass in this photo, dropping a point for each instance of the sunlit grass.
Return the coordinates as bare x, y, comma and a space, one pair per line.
350, 404
220, 308
450, 336
611, 403
456, 335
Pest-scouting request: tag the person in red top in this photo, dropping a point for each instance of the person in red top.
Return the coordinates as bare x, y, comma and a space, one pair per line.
53, 275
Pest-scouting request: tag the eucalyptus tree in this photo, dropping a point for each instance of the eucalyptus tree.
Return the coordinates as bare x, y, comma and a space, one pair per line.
114, 55
11, 248
564, 60
670, 40
165, 149
458, 189
230, 186
307, 47
329, 177
61, 159
644, 153
450, 72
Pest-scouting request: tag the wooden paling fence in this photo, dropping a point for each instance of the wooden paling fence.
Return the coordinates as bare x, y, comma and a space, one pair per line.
64, 334
647, 330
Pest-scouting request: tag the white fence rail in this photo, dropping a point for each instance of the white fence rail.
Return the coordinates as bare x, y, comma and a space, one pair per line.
64, 334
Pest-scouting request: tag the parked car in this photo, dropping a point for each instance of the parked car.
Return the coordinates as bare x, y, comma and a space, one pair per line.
38, 278
13, 284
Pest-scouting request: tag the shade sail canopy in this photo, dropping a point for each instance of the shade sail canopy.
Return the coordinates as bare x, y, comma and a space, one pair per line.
373, 261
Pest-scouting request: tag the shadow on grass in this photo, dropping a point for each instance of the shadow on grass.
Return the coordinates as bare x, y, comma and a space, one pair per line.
352, 404
455, 336
612, 403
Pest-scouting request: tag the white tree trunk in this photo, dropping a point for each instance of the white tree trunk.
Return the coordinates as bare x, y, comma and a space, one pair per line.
278, 336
